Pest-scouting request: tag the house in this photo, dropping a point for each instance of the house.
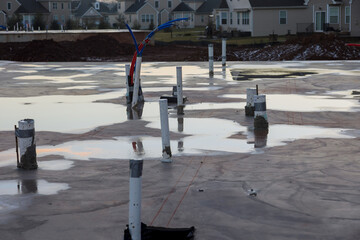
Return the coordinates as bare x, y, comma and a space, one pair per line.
143, 14
7, 10
184, 11
331, 15
354, 18
92, 12
279, 17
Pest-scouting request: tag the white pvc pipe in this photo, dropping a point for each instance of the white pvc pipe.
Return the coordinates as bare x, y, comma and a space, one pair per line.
27, 144
260, 106
250, 93
136, 82
224, 52
165, 135
136, 167
179, 86
127, 72
39, 28
211, 59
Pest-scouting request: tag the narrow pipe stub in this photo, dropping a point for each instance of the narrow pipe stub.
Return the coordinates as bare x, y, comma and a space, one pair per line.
211, 59
165, 135
250, 107
179, 91
260, 120
27, 145
135, 183
223, 52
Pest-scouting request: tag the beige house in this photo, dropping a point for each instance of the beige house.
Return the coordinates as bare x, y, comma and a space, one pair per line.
331, 15
7, 10
280, 17
355, 18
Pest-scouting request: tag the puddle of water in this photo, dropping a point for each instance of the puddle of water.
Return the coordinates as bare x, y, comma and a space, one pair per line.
307, 103
208, 136
63, 113
214, 106
94, 69
265, 73
55, 165
22, 71
42, 187
78, 88
57, 79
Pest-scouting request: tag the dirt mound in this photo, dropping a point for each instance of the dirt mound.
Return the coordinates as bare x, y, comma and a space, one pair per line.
105, 48
43, 50
316, 47
100, 46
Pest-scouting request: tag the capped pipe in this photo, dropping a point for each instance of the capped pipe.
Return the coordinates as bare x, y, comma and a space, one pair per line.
165, 135
260, 120
211, 59
136, 167
25, 134
250, 107
223, 52
179, 92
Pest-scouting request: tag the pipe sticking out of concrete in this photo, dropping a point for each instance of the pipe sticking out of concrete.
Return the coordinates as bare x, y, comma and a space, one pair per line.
136, 167
223, 52
260, 120
26, 138
250, 107
211, 59
135, 98
165, 135
129, 89
180, 107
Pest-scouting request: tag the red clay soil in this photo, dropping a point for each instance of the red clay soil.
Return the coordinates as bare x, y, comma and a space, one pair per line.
106, 48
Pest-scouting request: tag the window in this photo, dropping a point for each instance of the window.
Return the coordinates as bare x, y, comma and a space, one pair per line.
230, 18
9, 6
119, 5
97, 6
56, 18
69, 5
282, 17
347, 15
224, 18
333, 14
238, 18
147, 18
54, 5
169, 4
245, 18
202, 18
62, 5
63, 19
156, 4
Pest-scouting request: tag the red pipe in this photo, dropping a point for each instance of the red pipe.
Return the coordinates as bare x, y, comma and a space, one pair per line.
353, 44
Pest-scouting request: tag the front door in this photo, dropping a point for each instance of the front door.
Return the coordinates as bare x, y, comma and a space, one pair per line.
320, 21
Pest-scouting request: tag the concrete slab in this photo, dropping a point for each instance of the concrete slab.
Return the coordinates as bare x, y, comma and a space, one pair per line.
305, 172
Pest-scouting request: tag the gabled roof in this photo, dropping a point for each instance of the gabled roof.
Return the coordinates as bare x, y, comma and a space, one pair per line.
193, 1
31, 6
276, 3
183, 7
75, 5
135, 6
209, 5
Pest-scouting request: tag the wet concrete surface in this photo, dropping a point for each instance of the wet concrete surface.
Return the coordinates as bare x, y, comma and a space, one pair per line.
305, 170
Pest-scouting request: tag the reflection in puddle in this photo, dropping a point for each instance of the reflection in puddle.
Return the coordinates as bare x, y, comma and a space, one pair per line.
55, 165
78, 88
209, 105
208, 136
25, 186
57, 79
264, 73
307, 103
63, 113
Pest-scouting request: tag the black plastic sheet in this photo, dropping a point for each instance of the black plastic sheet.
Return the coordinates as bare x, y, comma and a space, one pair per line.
161, 233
